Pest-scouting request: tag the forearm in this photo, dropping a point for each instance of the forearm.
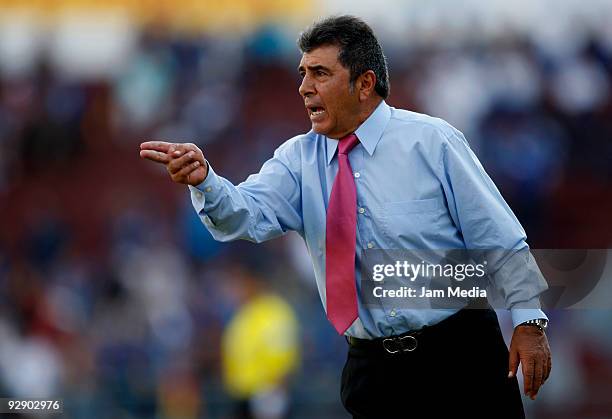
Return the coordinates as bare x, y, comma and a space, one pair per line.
256, 210
227, 213
516, 277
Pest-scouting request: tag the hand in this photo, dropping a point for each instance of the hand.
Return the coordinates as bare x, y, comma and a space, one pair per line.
184, 162
530, 346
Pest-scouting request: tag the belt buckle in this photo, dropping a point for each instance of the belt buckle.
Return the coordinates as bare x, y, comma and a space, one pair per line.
406, 343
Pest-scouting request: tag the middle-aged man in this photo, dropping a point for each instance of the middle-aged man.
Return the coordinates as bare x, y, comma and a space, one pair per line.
369, 176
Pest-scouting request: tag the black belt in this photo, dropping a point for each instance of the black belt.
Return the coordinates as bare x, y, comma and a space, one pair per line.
410, 341
406, 342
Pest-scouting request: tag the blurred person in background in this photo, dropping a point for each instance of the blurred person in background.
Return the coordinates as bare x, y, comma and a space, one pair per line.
260, 352
457, 362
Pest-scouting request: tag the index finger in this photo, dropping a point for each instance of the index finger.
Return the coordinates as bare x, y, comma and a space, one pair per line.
528, 375
155, 156
162, 146
538, 379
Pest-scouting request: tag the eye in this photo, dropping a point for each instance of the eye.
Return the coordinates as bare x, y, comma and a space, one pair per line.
321, 73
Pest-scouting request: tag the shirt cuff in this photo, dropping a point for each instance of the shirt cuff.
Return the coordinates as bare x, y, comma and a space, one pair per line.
205, 191
521, 315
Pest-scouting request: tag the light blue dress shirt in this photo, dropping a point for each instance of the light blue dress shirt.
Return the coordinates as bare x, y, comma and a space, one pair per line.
419, 186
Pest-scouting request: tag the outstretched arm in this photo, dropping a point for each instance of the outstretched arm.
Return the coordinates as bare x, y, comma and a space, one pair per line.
264, 206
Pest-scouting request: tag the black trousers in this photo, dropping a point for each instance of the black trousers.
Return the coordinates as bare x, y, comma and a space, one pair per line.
458, 370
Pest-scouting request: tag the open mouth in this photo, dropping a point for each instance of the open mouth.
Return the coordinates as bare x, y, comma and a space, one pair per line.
315, 111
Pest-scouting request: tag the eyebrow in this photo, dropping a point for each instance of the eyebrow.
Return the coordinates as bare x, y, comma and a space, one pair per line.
313, 68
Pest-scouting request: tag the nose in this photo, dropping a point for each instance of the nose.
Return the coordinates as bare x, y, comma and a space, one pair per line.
306, 87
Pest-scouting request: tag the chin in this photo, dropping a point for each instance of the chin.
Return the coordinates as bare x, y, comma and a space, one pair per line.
320, 129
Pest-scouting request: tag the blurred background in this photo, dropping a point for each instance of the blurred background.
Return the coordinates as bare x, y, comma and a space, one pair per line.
115, 298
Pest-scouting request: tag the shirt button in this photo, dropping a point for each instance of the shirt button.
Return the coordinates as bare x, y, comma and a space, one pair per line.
208, 189
361, 210
392, 313
370, 245
357, 175
199, 195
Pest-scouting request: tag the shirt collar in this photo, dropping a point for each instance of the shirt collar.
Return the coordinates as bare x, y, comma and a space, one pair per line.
369, 133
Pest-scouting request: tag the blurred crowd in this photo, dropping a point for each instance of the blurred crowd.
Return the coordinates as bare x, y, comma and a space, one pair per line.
114, 296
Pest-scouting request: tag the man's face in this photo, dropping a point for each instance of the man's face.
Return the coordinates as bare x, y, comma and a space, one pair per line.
332, 106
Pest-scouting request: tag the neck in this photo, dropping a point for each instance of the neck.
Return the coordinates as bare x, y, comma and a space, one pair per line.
368, 109
363, 114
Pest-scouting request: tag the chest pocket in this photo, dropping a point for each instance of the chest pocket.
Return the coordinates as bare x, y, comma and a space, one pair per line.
410, 223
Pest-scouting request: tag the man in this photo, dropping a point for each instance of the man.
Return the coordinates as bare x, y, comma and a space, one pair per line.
370, 176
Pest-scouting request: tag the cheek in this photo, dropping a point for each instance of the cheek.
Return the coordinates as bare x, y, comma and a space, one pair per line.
338, 112
333, 107
338, 104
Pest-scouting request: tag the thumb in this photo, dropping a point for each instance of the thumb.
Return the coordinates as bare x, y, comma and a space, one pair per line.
514, 363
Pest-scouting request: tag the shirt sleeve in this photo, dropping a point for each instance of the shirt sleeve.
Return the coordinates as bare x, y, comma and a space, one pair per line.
490, 229
264, 206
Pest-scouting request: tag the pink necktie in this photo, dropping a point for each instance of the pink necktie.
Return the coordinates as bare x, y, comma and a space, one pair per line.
340, 242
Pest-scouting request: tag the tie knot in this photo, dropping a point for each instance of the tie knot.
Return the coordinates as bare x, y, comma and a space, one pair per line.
347, 143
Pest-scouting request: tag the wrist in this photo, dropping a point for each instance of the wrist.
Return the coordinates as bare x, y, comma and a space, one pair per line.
540, 324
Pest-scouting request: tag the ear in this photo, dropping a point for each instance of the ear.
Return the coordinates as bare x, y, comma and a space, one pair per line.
365, 85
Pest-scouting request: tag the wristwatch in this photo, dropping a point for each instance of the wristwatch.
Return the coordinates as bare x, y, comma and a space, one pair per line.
541, 324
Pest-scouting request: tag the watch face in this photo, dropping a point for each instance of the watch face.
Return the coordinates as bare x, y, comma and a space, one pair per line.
539, 323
